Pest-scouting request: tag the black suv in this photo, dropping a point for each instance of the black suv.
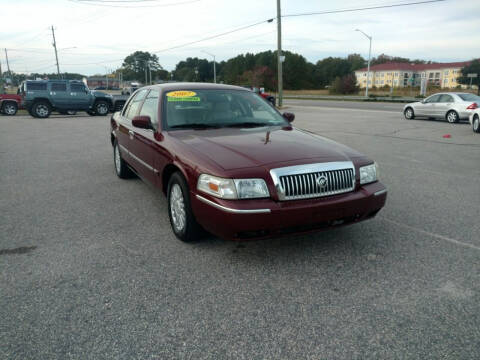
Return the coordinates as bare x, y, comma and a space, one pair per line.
41, 97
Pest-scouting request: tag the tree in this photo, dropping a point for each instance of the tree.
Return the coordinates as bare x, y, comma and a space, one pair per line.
473, 68
344, 85
137, 64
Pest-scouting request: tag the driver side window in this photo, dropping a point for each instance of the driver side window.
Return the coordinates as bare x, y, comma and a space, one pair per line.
132, 108
432, 99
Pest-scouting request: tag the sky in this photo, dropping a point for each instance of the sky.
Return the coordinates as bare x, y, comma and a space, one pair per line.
94, 37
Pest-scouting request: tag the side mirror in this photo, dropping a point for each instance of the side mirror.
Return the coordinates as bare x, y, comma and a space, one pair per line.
142, 122
289, 116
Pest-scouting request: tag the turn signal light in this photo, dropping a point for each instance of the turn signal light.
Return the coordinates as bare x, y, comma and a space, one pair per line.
473, 106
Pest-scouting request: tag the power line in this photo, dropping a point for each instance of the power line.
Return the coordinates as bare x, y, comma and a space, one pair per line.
268, 21
362, 9
106, 4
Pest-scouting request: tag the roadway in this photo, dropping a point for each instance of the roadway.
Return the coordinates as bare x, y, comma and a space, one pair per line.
90, 269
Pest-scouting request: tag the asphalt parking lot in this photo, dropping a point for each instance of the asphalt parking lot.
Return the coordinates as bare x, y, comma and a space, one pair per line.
89, 268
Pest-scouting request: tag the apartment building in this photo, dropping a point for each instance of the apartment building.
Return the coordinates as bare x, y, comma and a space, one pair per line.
405, 74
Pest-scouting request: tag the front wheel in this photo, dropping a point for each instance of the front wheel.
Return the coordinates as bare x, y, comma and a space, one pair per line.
121, 167
476, 124
101, 108
452, 117
409, 114
10, 108
182, 220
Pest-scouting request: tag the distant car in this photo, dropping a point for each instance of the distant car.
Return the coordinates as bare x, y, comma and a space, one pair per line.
450, 106
10, 103
475, 120
261, 91
41, 97
129, 90
100, 88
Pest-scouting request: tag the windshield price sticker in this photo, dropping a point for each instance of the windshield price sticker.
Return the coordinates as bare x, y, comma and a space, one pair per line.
181, 94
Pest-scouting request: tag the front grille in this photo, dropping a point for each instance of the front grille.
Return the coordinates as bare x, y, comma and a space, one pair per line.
314, 180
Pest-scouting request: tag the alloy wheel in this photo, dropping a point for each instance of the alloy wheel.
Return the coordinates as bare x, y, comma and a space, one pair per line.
102, 109
452, 117
177, 208
9, 109
41, 110
118, 160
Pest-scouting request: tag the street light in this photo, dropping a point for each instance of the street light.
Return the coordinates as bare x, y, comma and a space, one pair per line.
369, 56
214, 66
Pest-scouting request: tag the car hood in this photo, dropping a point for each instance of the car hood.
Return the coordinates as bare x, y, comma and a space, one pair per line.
242, 148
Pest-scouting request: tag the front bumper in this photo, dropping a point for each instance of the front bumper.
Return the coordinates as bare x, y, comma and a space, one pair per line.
261, 218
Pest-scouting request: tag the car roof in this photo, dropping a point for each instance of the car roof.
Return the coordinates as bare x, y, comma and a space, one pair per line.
194, 86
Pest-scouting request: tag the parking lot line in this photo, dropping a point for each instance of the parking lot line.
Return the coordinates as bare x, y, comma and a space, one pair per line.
437, 236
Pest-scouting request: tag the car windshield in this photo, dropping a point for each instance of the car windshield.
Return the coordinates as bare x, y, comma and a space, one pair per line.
202, 109
469, 97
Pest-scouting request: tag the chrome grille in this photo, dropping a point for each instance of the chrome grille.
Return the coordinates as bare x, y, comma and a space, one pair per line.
314, 180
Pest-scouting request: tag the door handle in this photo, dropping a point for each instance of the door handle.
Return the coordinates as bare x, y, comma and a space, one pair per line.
131, 133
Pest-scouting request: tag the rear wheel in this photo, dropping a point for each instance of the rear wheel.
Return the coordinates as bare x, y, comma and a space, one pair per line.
10, 108
409, 114
41, 109
476, 124
182, 220
452, 117
101, 108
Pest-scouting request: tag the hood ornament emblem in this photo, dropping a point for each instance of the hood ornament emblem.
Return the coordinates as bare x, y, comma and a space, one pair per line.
322, 181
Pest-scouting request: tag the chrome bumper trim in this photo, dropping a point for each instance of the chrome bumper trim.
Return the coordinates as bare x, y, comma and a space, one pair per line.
230, 210
381, 192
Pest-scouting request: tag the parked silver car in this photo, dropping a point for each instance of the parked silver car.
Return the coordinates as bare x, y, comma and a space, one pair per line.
450, 106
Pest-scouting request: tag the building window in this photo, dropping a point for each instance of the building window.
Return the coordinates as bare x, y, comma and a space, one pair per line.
383, 75
437, 75
446, 73
430, 76
445, 81
396, 74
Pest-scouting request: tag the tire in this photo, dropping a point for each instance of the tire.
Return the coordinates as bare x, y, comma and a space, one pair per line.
9, 108
41, 109
271, 100
409, 113
452, 116
121, 168
476, 124
182, 220
101, 108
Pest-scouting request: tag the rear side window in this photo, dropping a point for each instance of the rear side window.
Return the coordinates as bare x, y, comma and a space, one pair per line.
59, 87
446, 99
77, 87
34, 86
150, 106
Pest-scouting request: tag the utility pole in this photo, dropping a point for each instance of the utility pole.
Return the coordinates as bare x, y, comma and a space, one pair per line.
146, 77
279, 55
8, 65
150, 73
56, 54
214, 67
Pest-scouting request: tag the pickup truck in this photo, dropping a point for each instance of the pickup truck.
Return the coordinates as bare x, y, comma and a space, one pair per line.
41, 97
261, 91
10, 103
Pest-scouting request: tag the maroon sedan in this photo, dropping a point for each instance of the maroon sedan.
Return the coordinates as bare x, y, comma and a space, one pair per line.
233, 165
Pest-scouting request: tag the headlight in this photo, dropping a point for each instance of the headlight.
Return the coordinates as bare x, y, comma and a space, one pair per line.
368, 174
232, 188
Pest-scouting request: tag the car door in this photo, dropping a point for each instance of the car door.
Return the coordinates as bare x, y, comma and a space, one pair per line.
80, 97
444, 104
143, 145
427, 108
126, 132
59, 95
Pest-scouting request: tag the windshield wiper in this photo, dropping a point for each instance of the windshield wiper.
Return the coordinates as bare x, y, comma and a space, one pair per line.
195, 126
247, 124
